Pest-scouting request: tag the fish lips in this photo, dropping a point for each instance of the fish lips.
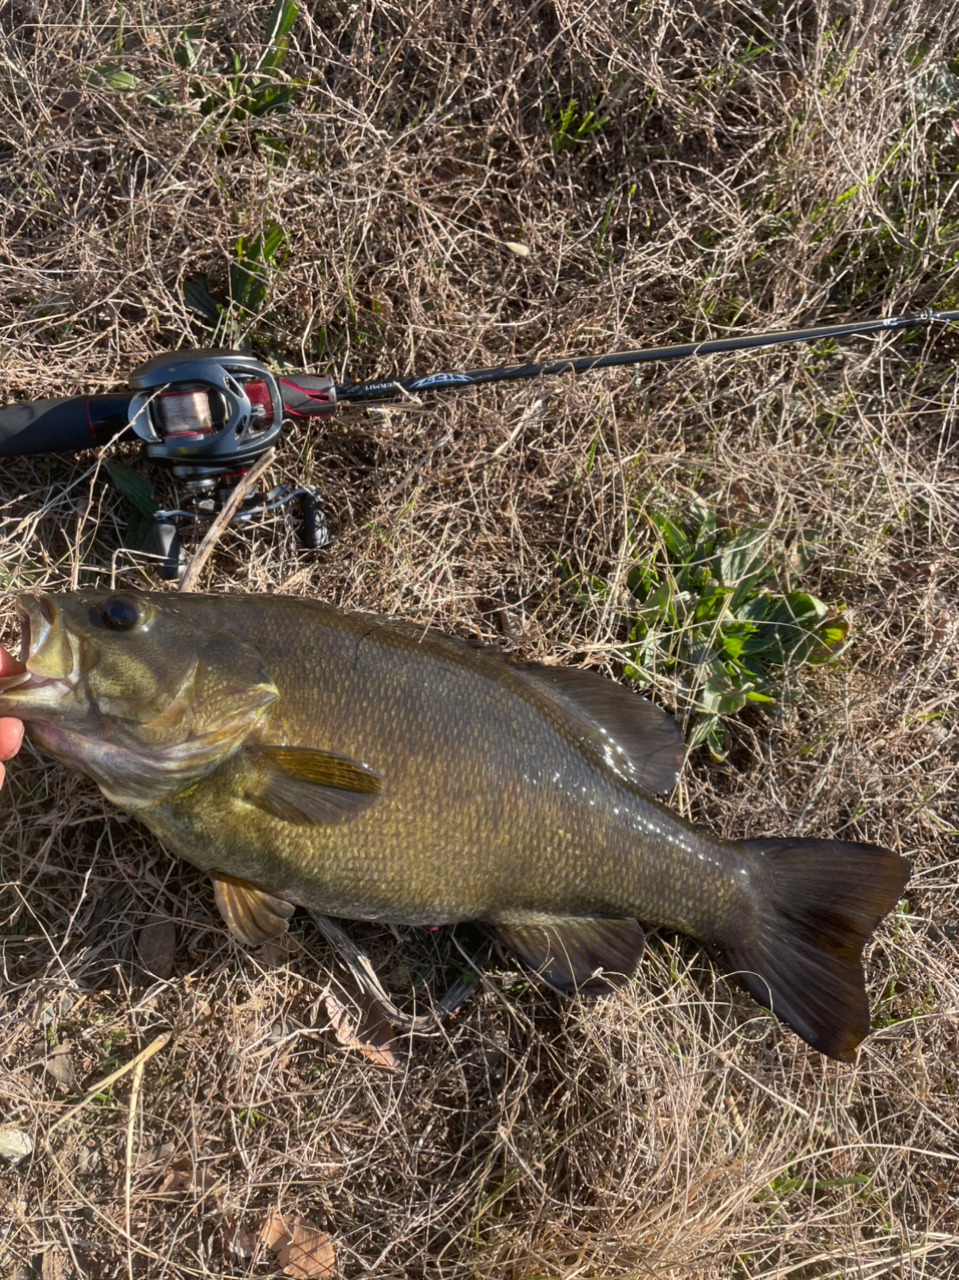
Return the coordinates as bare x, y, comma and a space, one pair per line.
51, 654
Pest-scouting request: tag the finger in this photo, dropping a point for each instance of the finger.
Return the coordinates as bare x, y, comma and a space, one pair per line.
11, 735
9, 666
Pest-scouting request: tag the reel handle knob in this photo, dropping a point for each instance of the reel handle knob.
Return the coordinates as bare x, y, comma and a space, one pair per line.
166, 543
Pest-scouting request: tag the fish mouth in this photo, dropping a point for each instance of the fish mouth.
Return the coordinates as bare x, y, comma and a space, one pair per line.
50, 655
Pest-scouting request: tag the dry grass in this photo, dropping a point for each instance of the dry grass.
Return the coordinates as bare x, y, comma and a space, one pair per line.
756, 167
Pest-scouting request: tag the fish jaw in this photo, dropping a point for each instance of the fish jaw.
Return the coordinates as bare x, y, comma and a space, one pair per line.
48, 688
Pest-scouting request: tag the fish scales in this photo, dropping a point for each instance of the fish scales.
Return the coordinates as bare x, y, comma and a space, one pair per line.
371, 769
494, 803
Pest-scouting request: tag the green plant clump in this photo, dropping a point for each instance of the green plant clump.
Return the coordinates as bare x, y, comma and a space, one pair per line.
717, 612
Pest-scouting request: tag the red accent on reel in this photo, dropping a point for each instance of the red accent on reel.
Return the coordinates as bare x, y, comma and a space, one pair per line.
258, 394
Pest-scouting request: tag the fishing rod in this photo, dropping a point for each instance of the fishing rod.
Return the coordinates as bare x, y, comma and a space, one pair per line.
207, 415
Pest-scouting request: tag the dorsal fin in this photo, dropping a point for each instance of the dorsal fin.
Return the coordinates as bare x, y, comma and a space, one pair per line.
645, 742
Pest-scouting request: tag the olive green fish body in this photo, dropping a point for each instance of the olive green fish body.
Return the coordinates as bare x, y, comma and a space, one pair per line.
496, 803
374, 770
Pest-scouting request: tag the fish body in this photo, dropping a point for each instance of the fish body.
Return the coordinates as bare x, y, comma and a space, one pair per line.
374, 770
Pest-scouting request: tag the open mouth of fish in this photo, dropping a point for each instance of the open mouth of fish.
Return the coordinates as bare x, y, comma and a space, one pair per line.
49, 654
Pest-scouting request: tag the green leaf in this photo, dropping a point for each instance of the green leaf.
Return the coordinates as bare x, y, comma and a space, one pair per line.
272, 240
134, 487
640, 580
249, 274
110, 76
138, 536
677, 544
186, 53
742, 561
804, 607
702, 727
278, 26
733, 644
657, 605
706, 532
197, 296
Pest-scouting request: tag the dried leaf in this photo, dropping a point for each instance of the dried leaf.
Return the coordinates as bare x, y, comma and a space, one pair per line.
60, 1065
184, 1175
302, 1250
177, 1178
67, 101
159, 1153
278, 950
374, 1036
156, 943
239, 1242
274, 1231
310, 1255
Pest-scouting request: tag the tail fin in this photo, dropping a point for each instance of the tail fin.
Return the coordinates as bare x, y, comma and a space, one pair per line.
803, 957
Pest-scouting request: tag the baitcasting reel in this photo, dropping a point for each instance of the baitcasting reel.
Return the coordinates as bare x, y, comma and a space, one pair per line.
206, 416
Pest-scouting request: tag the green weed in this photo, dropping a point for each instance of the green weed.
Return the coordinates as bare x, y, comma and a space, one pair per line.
254, 260
716, 611
572, 125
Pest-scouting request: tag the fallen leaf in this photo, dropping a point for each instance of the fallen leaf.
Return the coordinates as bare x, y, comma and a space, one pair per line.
310, 1255
370, 1032
238, 1240
184, 1175
60, 1065
156, 943
274, 1232
303, 1251
277, 950
179, 1177
159, 1154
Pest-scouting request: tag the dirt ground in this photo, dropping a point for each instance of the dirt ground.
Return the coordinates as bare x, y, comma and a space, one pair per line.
405, 187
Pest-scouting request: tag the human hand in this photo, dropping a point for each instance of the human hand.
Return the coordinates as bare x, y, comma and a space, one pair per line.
11, 731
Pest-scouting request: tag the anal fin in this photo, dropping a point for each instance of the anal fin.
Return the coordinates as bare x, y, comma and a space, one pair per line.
589, 954
253, 915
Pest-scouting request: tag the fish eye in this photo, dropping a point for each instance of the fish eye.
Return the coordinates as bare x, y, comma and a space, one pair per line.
120, 613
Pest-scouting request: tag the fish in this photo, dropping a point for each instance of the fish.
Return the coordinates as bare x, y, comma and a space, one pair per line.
371, 769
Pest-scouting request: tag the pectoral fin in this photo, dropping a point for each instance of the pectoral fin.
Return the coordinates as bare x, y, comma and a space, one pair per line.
585, 953
252, 914
308, 787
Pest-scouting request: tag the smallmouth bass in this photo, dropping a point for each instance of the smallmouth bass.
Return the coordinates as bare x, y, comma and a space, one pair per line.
370, 769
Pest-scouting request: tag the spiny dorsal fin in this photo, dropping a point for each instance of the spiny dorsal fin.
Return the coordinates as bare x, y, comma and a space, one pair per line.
253, 915
309, 787
581, 953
